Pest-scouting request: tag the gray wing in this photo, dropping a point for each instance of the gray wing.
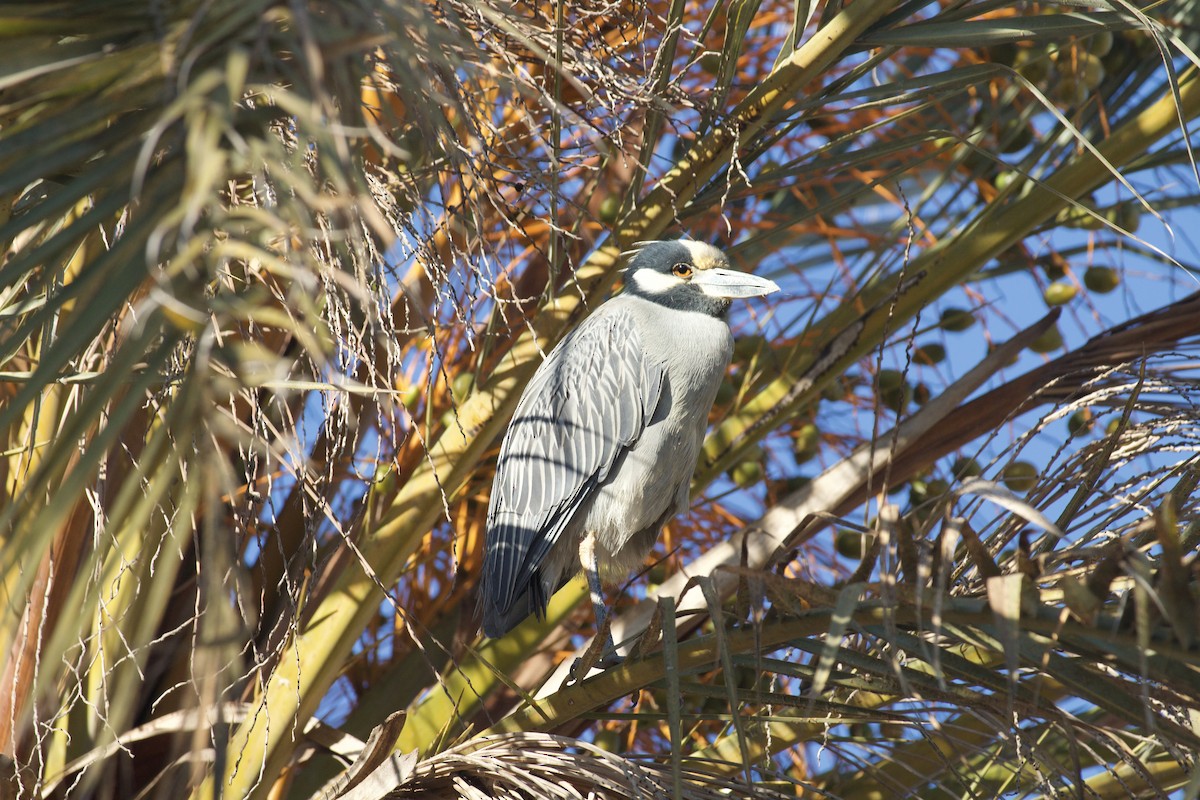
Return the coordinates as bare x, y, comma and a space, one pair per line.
588, 402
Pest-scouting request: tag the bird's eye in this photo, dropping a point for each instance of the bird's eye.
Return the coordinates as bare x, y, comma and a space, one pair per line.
682, 271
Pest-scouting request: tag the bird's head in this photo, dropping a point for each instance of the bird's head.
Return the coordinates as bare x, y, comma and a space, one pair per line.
690, 276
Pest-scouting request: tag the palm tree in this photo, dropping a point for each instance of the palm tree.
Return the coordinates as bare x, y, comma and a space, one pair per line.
275, 275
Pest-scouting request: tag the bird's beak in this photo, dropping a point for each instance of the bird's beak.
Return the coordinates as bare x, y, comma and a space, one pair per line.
731, 283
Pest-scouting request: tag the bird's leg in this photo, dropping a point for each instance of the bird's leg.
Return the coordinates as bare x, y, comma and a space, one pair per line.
591, 568
603, 651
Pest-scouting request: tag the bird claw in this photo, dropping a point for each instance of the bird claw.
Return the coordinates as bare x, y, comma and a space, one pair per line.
593, 658
601, 654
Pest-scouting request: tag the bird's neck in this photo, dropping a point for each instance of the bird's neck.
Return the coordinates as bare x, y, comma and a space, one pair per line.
717, 307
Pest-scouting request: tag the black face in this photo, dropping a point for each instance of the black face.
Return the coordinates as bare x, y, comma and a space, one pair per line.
674, 274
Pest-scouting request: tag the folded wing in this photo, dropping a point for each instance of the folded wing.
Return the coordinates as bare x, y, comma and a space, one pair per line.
588, 402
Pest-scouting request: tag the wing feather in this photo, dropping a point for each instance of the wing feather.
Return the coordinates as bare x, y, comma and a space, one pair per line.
588, 402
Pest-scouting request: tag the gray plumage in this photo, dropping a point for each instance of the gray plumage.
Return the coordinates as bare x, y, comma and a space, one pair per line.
606, 435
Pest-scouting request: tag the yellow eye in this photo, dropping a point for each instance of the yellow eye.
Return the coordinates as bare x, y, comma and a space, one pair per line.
682, 271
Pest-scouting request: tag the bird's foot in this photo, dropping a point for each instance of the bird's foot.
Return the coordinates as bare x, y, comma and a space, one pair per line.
601, 654
589, 661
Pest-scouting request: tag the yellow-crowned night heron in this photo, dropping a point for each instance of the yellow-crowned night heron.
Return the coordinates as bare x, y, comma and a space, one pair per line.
605, 438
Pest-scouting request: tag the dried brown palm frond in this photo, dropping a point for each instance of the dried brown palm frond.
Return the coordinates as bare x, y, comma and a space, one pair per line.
527, 766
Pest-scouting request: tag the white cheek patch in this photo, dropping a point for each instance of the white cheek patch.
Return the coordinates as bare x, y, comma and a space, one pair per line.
652, 281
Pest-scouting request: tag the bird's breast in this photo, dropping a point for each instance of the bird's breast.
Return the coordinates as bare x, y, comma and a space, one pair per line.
651, 481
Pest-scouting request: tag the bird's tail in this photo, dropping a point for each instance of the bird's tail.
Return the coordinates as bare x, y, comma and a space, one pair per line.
499, 618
